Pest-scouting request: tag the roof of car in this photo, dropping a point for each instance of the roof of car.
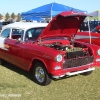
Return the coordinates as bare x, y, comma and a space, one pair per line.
25, 25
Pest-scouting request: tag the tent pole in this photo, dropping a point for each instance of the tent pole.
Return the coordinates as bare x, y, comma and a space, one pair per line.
89, 30
51, 11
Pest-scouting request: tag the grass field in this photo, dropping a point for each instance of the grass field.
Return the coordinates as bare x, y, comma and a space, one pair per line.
16, 84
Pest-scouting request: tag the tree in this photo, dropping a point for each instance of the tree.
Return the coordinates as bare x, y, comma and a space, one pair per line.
18, 17
7, 17
13, 16
1, 16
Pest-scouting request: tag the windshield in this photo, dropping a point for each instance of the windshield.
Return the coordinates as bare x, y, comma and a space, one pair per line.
33, 33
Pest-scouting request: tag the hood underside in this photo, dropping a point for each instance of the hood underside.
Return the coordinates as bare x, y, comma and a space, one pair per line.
64, 24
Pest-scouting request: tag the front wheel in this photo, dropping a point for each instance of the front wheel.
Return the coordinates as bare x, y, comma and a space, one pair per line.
40, 74
2, 61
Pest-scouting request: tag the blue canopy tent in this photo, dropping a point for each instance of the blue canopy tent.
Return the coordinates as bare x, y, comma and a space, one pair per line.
32, 18
49, 10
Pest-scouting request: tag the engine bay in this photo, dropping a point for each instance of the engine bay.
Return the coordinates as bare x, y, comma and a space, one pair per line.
75, 54
72, 50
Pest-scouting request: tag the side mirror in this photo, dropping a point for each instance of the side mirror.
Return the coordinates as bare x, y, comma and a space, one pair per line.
19, 40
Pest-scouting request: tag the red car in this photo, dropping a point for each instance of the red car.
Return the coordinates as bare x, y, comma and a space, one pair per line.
90, 37
96, 29
49, 50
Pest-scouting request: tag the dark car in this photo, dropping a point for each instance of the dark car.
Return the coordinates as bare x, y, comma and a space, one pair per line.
4, 23
0, 25
96, 29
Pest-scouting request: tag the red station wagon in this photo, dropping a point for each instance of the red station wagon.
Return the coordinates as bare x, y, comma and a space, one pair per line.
49, 50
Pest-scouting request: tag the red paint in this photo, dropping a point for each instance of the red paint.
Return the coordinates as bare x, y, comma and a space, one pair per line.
64, 26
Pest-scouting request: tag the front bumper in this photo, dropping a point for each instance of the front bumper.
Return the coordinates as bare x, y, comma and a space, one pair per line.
74, 73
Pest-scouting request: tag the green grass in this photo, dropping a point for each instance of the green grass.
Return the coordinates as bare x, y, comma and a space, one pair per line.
17, 82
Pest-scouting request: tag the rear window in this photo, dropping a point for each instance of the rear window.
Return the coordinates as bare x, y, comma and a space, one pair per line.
94, 30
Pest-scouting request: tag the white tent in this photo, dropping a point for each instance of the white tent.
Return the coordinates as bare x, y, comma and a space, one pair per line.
95, 15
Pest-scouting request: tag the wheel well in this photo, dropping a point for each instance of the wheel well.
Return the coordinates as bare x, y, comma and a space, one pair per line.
34, 62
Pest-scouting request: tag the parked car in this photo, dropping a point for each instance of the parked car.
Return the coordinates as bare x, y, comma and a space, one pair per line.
49, 49
96, 29
92, 24
85, 36
0, 25
84, 26
3, 24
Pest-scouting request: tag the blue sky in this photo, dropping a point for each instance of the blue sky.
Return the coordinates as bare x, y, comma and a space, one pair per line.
18, 6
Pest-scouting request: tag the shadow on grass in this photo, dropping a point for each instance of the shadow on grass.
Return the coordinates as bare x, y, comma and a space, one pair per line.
65, 77
29, 74
18, 70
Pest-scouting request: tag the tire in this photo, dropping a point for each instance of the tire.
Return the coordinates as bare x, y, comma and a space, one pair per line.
40, 75
86, 73
2, 61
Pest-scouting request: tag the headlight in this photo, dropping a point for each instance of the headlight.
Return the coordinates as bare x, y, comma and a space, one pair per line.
58, 58
98, 52
66, 48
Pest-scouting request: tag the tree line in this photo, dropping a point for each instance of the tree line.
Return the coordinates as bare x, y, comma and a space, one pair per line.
10, 17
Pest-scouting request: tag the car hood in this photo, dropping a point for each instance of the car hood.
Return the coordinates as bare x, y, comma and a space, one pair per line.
64, 24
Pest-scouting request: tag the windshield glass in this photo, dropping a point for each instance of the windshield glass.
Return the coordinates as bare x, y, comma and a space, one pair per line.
33, 33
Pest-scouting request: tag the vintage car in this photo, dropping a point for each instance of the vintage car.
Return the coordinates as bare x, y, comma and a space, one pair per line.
90, 37
96, 29
3, 24
49, 50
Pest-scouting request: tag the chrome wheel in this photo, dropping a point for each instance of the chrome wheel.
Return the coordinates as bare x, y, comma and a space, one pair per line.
40, 74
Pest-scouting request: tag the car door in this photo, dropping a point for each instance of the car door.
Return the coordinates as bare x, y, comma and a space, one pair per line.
4, 48
16, 47
29, 48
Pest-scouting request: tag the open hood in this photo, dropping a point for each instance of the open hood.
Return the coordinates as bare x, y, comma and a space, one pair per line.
64, 24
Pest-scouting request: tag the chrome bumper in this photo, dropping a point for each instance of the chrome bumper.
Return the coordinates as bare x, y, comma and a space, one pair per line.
74, 73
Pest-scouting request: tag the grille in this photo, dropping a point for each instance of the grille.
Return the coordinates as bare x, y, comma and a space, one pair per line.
70, 63
75, 52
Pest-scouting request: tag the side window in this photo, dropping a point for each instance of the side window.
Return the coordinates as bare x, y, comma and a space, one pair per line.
94, 30
17, 33
5, 33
